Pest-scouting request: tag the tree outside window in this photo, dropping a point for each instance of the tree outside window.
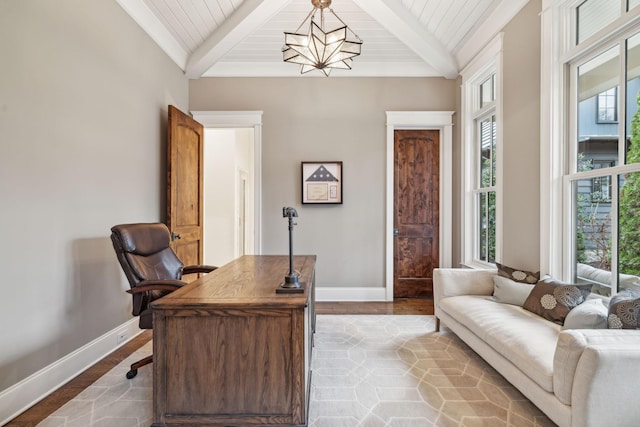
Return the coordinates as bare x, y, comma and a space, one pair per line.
629, 206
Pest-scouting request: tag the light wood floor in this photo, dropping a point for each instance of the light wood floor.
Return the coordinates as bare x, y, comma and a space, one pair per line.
41, 410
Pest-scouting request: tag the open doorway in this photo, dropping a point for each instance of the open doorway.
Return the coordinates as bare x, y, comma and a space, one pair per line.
245, 126
228, 194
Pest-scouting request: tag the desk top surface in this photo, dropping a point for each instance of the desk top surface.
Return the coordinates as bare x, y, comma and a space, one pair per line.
250, 280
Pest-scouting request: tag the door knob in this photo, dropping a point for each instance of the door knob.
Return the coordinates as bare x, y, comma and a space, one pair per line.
175, 236
395, 231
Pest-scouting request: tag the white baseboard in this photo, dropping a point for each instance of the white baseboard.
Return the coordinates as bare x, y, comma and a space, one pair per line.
350, 294
21, 396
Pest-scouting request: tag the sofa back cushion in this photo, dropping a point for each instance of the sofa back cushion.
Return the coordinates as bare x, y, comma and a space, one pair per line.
508, 291
591, 314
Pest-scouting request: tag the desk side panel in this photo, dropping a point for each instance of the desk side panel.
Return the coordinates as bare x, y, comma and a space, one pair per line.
234, 363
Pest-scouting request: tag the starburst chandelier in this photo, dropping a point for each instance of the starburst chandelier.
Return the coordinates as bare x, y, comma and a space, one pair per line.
320, 49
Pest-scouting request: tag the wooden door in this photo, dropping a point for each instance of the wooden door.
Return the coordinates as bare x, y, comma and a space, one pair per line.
185, 186
416, 211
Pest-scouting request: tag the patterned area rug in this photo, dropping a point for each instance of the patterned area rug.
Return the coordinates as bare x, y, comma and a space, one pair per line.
368, 371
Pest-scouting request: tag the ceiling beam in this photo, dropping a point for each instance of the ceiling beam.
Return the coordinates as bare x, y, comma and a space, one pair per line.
247, 18
399, 21
144, 17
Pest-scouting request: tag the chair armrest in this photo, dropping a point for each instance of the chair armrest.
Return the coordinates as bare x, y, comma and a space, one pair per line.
157, 285
190, 269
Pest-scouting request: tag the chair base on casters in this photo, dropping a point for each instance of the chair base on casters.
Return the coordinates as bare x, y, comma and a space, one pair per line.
139, 364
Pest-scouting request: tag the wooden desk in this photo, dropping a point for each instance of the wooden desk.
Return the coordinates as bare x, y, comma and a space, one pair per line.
229, 351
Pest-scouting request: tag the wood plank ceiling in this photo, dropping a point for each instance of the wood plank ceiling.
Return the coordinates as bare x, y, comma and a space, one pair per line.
209, 38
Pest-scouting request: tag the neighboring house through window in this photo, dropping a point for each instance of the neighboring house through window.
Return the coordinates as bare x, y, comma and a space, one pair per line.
608, 106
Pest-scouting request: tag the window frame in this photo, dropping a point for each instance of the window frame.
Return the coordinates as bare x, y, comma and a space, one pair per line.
485, 65
560, 57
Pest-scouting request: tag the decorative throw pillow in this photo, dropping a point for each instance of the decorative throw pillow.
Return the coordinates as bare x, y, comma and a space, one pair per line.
624, 310
591, 314
521, 276
509, 292
553, 300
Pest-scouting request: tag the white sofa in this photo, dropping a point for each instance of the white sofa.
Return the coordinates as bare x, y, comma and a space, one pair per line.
578, 378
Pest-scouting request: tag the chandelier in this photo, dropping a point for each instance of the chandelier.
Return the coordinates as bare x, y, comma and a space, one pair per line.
320, 49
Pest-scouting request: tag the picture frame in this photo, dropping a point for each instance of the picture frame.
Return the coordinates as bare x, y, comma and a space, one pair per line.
322, 182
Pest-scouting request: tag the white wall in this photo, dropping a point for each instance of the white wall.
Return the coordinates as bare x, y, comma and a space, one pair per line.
228, 153
83, 104
220, 165
245, 155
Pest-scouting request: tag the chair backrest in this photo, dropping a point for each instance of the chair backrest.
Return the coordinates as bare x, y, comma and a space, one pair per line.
144, 254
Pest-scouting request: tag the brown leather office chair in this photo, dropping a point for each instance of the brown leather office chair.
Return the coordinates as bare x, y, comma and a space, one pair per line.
152, 268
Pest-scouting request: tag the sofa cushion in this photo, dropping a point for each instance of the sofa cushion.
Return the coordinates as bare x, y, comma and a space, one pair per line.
517, 275
524, 338
624, 310
508, 291
591, 314
553, 300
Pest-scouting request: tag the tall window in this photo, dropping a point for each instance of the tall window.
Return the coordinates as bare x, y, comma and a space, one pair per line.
481, 105
602, 177
486, 188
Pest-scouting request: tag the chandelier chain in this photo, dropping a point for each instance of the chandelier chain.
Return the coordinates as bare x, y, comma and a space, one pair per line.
343, 23
310, 15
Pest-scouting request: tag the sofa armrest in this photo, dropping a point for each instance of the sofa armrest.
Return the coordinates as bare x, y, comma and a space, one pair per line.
595, 371
605, 389
448, 282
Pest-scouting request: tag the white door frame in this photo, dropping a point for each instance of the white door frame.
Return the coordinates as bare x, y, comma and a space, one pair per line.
243, 119
440, 120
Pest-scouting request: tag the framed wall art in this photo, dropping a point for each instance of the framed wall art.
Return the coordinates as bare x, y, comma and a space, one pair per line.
322, 182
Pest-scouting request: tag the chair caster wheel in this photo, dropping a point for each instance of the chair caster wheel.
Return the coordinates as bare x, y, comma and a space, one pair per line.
132, 373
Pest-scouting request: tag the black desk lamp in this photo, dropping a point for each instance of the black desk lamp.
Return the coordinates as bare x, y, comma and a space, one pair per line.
291, 283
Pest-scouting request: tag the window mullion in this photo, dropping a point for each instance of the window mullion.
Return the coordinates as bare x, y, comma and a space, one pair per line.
487, 228
572, 148
622, 104
615, 197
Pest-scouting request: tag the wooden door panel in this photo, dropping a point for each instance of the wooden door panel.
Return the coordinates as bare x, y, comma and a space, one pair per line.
416, 211
185, 164
415, 267
187, 250
186, 175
